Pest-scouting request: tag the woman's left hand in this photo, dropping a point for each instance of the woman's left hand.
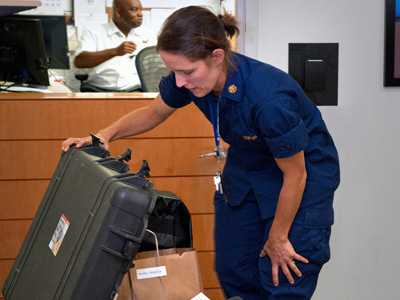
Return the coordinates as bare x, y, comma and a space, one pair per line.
284, 257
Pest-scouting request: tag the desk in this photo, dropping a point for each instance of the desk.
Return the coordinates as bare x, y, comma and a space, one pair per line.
33, 126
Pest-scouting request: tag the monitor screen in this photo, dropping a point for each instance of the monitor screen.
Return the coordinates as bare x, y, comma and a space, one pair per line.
55, 39
23, 58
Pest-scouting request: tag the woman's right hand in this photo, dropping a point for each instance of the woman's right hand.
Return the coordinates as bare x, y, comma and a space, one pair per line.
79, 142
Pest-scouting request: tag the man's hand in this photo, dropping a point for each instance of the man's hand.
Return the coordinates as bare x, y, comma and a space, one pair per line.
125, 48
284, 257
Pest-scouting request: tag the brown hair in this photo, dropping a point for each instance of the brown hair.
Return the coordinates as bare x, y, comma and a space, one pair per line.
196, 32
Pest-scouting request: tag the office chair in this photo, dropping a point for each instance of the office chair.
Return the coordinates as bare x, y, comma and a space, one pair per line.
150, 68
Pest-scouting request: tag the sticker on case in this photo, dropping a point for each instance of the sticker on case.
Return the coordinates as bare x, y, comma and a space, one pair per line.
200, 296
59, 234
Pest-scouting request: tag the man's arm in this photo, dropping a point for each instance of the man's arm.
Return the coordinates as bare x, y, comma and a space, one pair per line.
90, 59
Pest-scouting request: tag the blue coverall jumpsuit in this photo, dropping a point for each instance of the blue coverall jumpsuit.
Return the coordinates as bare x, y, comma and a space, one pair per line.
263, 114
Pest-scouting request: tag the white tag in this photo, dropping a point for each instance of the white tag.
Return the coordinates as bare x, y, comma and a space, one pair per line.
217, 182
151, 272
217, 179
200, 296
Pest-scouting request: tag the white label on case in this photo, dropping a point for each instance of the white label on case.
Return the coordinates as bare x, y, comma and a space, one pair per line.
200, 296
59, 234
153, 272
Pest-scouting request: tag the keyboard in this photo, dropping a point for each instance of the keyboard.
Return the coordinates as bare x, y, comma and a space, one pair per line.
16, 88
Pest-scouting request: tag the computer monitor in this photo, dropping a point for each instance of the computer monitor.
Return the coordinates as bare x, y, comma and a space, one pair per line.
23, 58
55, 39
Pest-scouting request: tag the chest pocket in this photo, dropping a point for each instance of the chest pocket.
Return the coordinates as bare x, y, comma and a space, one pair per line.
236, 127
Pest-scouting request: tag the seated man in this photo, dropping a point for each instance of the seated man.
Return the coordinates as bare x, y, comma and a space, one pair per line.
110, 50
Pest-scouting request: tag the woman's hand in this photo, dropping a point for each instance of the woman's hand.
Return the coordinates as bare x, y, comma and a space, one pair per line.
284, 257
79, 142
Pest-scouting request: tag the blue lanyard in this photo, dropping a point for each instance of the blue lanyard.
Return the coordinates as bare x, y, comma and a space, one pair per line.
215, 122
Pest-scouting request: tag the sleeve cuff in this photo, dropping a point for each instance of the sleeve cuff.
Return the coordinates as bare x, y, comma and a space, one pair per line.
170, 94
289, 143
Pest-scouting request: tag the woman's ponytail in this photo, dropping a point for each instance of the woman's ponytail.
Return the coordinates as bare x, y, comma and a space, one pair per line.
230, 24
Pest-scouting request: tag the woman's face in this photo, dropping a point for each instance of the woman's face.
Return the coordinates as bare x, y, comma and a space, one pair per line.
200, 77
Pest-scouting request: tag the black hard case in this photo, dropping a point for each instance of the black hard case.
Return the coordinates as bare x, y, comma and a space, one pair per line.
108, 209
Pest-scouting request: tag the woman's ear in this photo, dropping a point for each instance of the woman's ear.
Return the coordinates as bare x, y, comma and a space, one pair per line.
218, 56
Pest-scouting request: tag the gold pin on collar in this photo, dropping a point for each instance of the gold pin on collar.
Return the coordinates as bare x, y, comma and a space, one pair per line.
232, 89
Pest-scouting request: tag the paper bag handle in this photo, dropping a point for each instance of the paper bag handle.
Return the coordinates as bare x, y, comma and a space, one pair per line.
156, 240
133, 295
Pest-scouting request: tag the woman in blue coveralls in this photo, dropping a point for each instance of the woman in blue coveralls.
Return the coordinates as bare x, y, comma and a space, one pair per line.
274, 203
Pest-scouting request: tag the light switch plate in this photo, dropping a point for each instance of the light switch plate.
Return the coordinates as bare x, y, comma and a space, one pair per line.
319, 80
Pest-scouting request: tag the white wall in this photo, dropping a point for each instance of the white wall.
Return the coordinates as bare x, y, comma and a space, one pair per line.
365, 263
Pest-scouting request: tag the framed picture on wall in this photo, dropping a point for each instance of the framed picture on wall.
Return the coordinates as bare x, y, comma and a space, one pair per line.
392, 43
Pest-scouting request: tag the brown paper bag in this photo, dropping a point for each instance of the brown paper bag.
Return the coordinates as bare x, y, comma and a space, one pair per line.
182, 280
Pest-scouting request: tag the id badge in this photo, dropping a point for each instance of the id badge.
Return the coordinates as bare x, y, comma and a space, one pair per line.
218, 183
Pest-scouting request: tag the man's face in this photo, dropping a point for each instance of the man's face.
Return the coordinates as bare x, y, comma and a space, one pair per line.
130, 12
